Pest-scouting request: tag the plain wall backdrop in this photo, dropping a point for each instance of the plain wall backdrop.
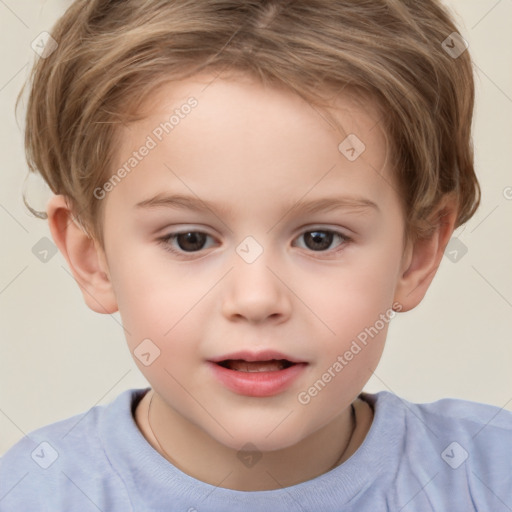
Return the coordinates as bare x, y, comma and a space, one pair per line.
58, 358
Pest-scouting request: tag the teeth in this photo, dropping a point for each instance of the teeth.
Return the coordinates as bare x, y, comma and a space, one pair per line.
256, 366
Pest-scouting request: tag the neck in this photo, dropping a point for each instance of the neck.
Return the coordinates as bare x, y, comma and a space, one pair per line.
195, 453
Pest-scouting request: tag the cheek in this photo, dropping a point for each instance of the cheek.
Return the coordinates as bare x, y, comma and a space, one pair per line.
352, 297
152, 297
354, 304
342, 372
159, 312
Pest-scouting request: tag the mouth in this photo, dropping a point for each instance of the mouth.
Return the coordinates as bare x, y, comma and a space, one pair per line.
261, 374
252, 362
240, 365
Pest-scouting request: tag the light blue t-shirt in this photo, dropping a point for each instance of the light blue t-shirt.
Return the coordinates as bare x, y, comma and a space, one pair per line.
447, 456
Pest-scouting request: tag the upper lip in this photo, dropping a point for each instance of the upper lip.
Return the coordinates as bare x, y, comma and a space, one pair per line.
264, 355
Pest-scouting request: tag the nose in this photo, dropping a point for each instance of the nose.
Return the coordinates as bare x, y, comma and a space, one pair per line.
255, 293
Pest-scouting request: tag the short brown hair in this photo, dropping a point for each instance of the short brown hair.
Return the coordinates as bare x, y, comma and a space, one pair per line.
113, 54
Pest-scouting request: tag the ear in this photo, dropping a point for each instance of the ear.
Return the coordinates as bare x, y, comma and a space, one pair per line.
84, 255
422, 257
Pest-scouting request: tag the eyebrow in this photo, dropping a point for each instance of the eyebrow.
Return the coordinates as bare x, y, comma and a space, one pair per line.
179, 201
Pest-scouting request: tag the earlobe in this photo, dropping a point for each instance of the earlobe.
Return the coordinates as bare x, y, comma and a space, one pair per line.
85, 257
423, 257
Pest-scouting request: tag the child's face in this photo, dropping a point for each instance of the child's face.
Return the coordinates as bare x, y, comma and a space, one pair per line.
255, 277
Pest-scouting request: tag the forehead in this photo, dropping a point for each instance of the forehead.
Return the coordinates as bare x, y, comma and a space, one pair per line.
228, 136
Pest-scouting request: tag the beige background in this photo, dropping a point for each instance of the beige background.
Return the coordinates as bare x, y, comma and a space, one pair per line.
57, 358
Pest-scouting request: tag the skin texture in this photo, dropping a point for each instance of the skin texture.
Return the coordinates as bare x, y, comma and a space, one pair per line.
254, 152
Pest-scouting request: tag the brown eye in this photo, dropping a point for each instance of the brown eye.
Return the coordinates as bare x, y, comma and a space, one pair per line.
318, 240
323, 240
185, 242
192, 241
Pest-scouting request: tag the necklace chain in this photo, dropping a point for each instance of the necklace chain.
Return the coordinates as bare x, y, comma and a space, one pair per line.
353, 423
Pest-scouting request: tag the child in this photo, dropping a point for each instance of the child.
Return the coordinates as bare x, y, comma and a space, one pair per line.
257, 131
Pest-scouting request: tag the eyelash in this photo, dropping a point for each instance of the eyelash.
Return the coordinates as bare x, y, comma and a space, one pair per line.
166, 241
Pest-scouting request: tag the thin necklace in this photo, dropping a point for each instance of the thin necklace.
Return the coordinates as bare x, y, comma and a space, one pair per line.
353, 423
349, 442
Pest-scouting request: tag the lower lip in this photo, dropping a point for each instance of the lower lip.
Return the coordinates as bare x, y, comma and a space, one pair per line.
259, 384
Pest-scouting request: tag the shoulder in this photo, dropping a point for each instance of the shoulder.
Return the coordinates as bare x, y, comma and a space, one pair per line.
479, 426
459, 448
64, 462
461, 417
